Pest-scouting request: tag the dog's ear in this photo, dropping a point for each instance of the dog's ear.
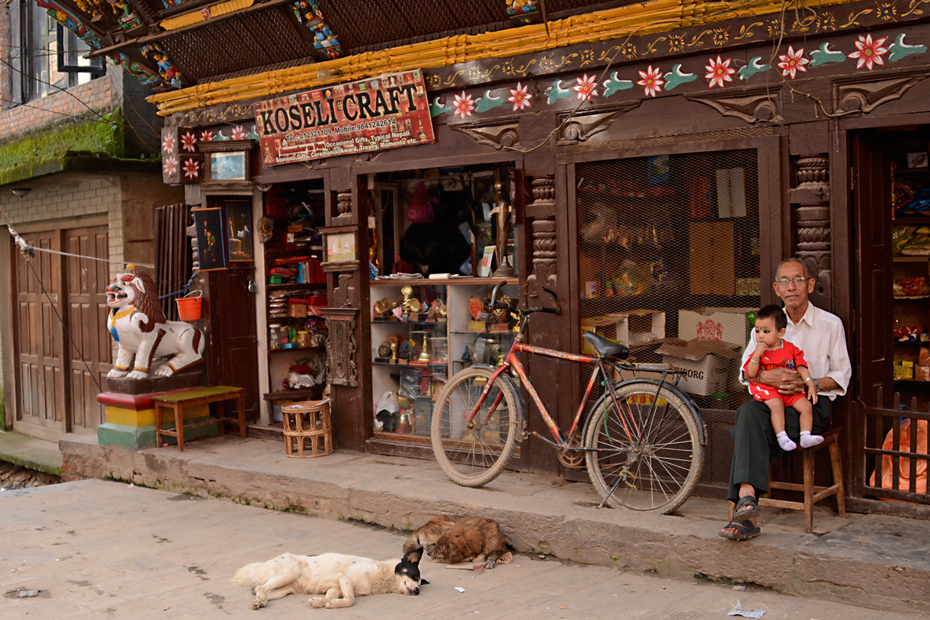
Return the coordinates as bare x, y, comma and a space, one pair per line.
413, 556
424, 582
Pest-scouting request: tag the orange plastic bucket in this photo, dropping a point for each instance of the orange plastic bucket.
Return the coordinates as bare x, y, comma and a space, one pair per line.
189, 308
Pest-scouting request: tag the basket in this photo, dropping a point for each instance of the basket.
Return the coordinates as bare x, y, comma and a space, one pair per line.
308, 431
189, 308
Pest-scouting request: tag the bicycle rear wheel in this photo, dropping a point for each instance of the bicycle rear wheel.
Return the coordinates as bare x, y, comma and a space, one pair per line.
662, 463
473, 455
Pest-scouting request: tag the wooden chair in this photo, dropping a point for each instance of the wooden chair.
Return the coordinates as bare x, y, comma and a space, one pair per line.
812, 494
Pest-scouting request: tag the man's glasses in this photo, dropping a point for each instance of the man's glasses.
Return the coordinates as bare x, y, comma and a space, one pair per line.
797, 281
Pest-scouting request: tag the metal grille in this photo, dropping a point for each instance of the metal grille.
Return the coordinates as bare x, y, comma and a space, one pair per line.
261, 38
172, 255
669, 248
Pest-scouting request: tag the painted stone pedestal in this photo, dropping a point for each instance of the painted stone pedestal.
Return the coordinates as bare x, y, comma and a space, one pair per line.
130, 413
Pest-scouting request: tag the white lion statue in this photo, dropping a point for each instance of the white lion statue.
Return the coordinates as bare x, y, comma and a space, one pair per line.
139, 326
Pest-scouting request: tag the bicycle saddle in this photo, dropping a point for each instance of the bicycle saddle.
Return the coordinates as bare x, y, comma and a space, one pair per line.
605, 347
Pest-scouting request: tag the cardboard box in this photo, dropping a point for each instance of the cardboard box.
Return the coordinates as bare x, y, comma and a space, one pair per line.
629, 328
708, 364
711, 268
721, 324
297, 311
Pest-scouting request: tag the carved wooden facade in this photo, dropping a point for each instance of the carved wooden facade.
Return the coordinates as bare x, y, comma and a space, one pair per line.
697, 85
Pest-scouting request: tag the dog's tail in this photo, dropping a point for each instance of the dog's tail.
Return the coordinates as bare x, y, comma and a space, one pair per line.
248, 575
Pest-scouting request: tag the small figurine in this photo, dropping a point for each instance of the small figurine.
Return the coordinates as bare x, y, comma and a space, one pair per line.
466, 355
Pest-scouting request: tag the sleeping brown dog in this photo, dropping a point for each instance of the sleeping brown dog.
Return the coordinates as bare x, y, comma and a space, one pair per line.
450, 539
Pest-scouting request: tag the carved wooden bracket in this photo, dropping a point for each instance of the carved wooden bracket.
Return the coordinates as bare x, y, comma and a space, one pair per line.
542, 209
345, 293
762, 106
499, 133
343, 208
580, 127
814, 239
866, 96
341, 346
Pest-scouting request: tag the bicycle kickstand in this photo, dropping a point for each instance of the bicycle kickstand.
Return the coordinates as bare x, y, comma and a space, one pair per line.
624, 474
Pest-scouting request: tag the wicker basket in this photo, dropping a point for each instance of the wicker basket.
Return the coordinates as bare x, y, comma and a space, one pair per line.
308, 430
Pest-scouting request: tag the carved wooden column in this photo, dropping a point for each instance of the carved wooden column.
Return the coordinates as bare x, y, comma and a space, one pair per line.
811, 201
542, 212
342, 313
343, 207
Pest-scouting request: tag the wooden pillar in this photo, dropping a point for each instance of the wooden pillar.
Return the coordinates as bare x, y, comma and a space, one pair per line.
342, 321
811, 202
542, 212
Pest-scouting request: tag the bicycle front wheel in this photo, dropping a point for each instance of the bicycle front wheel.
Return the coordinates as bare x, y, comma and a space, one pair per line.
473, 454
644, 457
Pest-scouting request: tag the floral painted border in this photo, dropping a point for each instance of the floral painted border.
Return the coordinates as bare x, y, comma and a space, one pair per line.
869, 52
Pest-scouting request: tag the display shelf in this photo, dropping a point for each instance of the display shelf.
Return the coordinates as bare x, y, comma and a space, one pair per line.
911, 259
296, 350
415, 385
463, 281
296, 286
918, 220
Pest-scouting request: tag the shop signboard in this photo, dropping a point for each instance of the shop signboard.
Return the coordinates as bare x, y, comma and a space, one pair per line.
384, 112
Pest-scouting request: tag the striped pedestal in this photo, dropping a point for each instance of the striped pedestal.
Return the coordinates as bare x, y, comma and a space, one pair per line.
130, 421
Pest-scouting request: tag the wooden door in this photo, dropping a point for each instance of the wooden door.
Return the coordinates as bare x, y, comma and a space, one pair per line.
233, 356
873, 380
874, 313
89, 346
39, 362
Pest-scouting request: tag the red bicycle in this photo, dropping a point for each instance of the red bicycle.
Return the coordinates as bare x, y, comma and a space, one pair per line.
642, 443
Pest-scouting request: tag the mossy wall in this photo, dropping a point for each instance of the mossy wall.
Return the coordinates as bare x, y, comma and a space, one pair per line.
48, 150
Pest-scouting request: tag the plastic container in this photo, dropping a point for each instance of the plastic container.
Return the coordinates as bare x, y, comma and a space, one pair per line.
190, 308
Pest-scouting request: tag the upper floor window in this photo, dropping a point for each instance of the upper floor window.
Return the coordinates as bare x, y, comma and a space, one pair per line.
44, 57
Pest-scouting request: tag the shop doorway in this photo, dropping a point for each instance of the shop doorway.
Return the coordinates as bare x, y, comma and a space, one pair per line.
59, 370
891, 201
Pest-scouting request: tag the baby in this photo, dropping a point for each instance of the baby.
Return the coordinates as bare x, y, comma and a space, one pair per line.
774, 352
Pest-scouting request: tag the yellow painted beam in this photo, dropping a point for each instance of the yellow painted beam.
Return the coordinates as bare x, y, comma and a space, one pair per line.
617, 23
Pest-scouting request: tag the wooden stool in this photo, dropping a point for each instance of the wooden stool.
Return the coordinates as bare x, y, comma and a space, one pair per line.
812, 494
307, 420
180, 400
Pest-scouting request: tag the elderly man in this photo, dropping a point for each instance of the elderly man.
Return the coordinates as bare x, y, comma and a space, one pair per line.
822, 338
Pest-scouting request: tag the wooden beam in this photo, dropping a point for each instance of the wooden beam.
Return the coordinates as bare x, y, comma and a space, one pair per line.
147, 18
153, 38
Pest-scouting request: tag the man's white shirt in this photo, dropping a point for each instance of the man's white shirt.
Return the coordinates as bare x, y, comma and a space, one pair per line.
822, 338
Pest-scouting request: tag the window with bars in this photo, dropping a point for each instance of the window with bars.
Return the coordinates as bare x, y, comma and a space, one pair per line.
669, 262
44, 57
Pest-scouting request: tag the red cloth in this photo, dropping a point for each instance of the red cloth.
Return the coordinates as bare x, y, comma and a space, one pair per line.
788, 356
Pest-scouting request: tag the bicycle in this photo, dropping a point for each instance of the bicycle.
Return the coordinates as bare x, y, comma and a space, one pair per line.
642, 442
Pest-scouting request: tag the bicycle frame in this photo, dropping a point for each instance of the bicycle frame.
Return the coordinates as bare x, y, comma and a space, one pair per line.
513, 361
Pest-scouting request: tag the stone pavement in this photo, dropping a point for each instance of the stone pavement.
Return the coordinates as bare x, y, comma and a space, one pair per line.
865, 560
104, 549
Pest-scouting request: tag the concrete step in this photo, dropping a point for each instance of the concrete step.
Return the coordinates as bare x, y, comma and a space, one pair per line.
866, 560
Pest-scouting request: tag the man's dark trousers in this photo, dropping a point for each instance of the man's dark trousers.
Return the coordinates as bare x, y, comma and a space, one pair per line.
756, 446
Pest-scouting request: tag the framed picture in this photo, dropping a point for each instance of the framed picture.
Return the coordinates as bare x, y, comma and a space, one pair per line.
210, 248
228, 166
340, 247
239, 230
917, 160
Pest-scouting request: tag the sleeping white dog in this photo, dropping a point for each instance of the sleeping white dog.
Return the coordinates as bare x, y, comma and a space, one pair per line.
338, 578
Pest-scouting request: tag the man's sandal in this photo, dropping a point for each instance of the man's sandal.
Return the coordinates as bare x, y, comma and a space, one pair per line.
746, 508
744, 530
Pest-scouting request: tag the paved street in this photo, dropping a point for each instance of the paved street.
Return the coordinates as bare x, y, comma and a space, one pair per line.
99, 549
